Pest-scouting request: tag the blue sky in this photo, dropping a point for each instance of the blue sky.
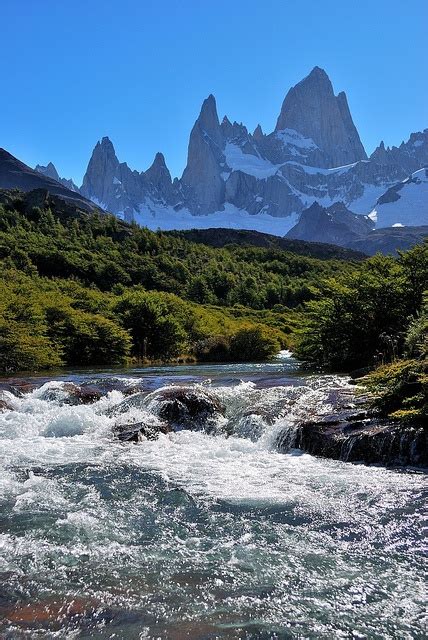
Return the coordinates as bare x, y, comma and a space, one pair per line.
137, 70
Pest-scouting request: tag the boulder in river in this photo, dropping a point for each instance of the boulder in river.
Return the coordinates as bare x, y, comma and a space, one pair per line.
17, 387
70, 393
177, 408
188, 407
139, 431
353, 433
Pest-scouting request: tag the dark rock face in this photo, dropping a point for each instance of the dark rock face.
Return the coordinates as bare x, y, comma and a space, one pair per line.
353, 434
312, 109
139, 431
335, 225
365, 440
188, 408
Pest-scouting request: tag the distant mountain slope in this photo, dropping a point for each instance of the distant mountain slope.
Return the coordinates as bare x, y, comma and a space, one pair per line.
390, 240
14, 174
223, 237
339, 226
51, 172
335, 225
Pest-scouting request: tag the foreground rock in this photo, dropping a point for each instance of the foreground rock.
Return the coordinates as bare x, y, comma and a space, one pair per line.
6, 401
175, 409
188, 408
70, 393
354, 434
139, 431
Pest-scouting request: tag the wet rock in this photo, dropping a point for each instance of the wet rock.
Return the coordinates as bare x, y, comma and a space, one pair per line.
368, 441
165, 410
17, 387
6, 401
139, 431
53, 613
86, 394
70, 393
135, 401
188, 408
353, 433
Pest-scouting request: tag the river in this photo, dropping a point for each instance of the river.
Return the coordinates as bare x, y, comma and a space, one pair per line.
198, 535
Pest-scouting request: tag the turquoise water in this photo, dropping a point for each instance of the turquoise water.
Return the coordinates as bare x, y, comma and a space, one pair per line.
196, 535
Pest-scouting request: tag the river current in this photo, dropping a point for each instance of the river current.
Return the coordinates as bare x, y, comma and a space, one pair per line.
198, 535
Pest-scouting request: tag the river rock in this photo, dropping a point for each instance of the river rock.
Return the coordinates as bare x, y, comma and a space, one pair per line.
17, 387
353, 433
70, 393
188, 407
139, 431
85, 394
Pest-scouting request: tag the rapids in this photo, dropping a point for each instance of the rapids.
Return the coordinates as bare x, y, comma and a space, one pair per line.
200, 535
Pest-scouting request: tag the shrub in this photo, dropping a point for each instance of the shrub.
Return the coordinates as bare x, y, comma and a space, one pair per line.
23, 349
87, 338
212, 349
401, 389
254, 343
155, 333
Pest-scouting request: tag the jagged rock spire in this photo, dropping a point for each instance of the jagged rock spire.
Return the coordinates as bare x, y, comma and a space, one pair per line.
258, 133
312, 109
49, 170
159, 177
101, 171
202, 176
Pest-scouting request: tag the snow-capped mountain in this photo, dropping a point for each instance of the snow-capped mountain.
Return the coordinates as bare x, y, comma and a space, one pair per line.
234, 178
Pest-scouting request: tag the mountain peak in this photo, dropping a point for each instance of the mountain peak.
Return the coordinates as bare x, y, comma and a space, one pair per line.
258, 132
312, 109
317, 72
49, 170
159, 160
106, 145
208, 117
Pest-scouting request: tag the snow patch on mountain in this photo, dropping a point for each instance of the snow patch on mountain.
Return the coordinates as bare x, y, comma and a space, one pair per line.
247, 163
296, 139
156, 216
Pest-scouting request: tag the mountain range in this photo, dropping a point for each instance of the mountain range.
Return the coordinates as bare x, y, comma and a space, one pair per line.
234, 178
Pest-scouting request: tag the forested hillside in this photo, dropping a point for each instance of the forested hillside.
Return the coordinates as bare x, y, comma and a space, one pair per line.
81, 288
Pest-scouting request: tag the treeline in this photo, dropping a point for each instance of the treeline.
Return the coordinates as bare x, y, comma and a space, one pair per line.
54, 322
